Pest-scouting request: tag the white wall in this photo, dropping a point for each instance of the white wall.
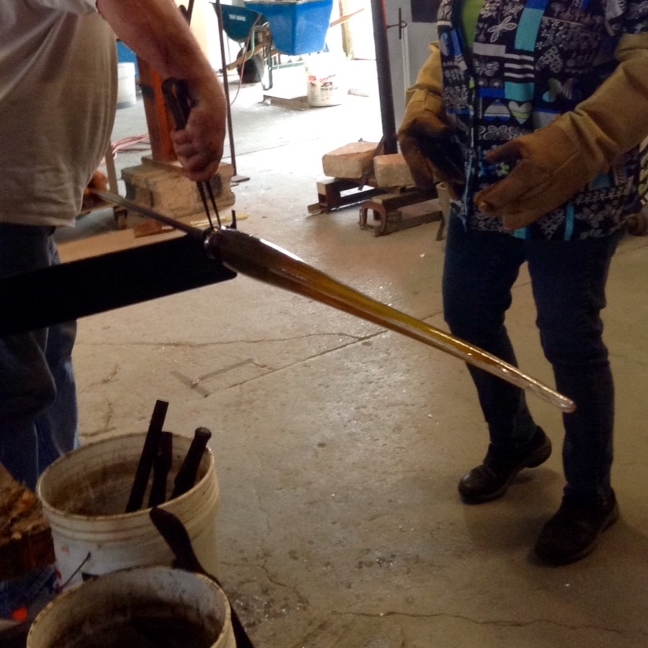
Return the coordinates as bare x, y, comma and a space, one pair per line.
413, 46
406, 55
204, 25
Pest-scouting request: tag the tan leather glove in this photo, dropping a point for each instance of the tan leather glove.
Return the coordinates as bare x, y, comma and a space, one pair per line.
425, 136
554, 163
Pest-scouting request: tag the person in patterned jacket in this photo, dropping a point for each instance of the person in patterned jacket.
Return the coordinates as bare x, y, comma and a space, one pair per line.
532, 113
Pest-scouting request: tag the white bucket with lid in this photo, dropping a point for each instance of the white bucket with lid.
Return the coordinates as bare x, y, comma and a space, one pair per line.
84, 494
132, 608
326, 79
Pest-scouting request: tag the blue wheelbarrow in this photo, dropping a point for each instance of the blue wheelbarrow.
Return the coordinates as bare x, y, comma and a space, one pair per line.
266, 30
251, 31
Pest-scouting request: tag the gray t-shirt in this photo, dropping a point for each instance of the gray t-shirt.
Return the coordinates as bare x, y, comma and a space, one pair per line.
58, 92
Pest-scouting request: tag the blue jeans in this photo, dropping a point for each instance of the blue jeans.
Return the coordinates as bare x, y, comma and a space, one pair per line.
568, 281
38, 408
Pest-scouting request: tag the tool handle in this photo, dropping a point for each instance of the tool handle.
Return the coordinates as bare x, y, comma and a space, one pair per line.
161, 467
444, 153
149, 452
176, 96
186, 477
175, 535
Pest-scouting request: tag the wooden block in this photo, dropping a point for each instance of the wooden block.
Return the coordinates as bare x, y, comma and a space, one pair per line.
150, 227
350, 161
25, 537
296, 103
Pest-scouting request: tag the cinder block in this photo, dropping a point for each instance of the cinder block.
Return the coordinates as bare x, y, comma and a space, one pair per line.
392, 171
351, 161
166, 189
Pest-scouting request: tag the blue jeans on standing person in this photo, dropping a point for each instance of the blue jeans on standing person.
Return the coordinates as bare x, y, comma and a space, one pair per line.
568, 282
38, 407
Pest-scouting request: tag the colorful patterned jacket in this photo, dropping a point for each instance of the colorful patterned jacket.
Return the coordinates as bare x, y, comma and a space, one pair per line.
532, 61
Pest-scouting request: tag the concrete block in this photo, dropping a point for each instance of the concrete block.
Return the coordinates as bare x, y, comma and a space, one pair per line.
392, 171
163, 187
350, 161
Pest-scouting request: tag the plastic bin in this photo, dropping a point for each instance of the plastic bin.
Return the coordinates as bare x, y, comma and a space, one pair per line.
297, 27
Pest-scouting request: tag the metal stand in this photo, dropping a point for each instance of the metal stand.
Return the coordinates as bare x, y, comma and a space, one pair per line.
393, 212
379, 16
330, 195
230, 131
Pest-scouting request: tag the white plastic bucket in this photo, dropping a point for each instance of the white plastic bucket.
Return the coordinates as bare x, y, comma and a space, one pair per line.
109, 610
126, 89
443, 193
326, 82
84, 493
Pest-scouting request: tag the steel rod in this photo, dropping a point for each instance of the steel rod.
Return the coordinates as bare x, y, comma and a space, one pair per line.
151, 213
221, 38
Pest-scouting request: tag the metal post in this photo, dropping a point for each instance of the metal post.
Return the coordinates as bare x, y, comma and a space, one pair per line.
385, 91
221, 35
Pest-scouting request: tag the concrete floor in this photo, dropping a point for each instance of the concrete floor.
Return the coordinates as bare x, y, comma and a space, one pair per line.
339, 445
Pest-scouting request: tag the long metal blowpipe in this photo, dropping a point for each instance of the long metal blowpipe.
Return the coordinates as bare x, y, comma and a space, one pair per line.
268, 263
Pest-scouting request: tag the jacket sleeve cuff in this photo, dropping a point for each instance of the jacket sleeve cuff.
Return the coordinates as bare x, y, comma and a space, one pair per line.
598, 125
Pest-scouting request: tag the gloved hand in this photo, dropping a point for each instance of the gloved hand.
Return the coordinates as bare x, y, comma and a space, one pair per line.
425, 136
429, 151
555, 162
548, 169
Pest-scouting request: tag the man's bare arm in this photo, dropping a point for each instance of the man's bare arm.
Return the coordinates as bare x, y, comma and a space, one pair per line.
158, 33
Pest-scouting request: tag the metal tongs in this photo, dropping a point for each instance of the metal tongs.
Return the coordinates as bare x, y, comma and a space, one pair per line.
176, 95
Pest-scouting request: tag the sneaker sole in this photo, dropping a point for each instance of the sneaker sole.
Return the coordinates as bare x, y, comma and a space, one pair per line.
532, 461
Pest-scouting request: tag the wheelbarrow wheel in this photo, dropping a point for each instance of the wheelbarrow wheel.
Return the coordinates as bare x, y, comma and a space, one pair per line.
251, 71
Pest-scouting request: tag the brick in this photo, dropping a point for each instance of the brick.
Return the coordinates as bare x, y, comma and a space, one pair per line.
392, 171
166, 189
351, 161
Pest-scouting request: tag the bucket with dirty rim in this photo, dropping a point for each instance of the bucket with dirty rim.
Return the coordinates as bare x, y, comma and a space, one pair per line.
326, 79
144, 607
84, 495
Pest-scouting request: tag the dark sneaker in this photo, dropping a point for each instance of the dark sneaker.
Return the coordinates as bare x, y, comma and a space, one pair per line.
573, 532
492, 478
